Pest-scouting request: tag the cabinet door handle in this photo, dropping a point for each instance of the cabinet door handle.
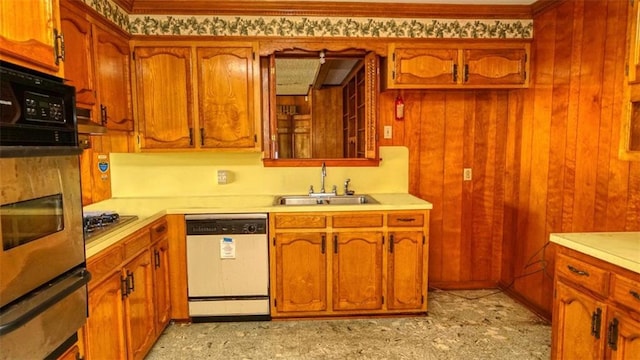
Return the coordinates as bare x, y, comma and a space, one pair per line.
335, 244
202, 136
577, 271
406, 219
454, 72
103, 114
635, 294
596, 320
391, 243
466, 72
156, 257
130, 283
160, 229
123, 287
191, 136
612, 337
323, 245
58, 46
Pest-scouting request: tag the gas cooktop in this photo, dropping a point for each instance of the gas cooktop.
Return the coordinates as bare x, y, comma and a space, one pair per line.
99, 223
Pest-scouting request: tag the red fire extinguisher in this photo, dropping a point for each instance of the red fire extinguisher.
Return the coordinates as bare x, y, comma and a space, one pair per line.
399, 108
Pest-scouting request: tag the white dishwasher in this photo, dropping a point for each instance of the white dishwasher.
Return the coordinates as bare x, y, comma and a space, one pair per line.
228, 267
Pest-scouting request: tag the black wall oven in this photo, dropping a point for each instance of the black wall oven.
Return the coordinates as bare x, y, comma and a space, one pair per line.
43, 292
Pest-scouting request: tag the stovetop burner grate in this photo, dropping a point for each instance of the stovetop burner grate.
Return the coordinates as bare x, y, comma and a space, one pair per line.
101, 223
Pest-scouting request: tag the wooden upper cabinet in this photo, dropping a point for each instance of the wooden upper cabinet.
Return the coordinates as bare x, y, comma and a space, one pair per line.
30, 34
489, 67
467, 65
164, 100
79, 55
112, 68
423, 66
630, 129
227, 97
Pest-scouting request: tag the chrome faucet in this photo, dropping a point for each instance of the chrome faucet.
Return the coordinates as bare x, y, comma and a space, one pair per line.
323, 172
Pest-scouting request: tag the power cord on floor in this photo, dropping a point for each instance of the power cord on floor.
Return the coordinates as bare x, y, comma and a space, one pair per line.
528, 264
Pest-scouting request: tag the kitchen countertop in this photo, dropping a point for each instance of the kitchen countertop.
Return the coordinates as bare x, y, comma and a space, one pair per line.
618, 248
149, 210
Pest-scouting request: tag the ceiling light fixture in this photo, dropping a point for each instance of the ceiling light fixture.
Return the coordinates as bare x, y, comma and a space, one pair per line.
322, 59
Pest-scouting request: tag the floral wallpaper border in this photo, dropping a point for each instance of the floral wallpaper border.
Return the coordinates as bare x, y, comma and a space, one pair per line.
301, 26
329, 27
111, 11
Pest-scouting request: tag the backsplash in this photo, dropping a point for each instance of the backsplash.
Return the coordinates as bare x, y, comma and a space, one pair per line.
196, 174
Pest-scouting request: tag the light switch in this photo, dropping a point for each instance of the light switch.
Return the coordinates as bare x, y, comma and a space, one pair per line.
388, 131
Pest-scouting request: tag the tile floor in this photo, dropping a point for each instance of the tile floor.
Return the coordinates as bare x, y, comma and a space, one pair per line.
489, 327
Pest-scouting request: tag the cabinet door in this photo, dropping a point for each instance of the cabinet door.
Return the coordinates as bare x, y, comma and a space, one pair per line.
161, 284
139, 307
419, 67
357, 270
405, 272
104, 331
634, 42
79, 56
227, 97
28, 30
301, 272
623, 335
494, 67
579, 322
114, 80
164, 100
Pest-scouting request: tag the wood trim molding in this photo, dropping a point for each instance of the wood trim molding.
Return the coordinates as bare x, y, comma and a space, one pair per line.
541, 6
329, 8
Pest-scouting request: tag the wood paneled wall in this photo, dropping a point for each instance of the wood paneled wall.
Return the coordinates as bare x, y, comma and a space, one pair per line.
544, 159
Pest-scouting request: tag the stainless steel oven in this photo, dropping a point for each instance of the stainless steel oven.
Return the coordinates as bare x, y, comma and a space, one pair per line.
43, 294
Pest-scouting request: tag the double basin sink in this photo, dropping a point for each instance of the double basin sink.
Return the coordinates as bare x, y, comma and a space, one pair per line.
328, 199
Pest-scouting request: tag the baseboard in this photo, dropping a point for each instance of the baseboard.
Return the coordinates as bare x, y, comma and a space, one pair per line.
542, 313
463, 285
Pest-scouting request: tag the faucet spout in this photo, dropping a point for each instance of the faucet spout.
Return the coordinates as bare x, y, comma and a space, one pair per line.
323, 175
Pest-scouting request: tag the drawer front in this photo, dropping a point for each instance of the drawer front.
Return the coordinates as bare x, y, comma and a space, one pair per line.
135, 243
626, 291
405, 219
159, 230
357, 220
104, 264
304, 221
584, 274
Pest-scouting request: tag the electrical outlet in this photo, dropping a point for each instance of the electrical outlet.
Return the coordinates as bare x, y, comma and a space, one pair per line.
223, 177
466, 174
388, 132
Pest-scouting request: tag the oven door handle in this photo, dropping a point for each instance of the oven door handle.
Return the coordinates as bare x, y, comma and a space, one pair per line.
27, 309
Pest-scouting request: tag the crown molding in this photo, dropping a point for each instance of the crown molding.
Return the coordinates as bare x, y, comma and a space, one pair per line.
320, 8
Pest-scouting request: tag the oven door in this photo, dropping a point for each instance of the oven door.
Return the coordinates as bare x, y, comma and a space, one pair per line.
41, 222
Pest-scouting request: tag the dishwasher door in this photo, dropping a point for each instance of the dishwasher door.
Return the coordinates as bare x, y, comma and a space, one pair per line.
213, 272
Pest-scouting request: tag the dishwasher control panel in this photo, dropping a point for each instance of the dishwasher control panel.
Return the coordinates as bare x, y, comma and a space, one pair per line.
226, 226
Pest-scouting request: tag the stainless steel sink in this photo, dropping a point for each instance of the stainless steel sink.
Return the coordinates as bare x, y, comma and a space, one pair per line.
324, 200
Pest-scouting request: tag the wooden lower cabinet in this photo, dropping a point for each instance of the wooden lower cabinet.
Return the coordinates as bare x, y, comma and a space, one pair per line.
105, 331
596, 309
364, 273
129, 296
357, 271
139, 306
301, 264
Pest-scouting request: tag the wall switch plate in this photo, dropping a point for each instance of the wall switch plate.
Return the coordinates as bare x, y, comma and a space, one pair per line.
466, 174
223, 177
388, 131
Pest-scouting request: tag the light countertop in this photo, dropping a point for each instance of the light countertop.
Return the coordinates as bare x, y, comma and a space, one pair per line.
151, 209
618, 248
